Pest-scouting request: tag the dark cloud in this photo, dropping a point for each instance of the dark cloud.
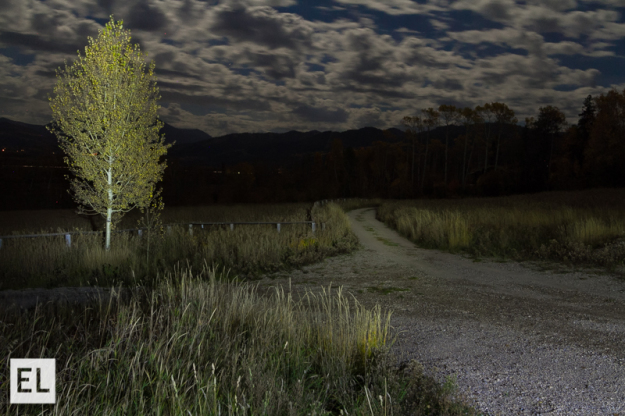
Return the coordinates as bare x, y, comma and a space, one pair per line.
145, 17
378, 92
321, 115
177, 86
498, 10
188, 13
370, 61
547, 24
213, 102
38, 43
448, 84
379, 80
107, 5
46, 24
262, 26
276, 66
417, 53
178, 74
48, 73
164, 58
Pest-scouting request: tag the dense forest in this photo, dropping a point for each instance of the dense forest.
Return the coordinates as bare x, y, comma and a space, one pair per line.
445, 152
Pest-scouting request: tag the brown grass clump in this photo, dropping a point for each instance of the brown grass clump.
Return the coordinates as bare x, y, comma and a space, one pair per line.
582, 227
203, 345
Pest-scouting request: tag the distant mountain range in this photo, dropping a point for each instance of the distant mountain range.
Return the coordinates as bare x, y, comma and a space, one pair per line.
274, 148
196, 148
35, 138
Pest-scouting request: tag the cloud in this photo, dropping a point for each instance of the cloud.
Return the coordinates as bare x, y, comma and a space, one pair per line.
559, 5
226, 66
496, 10
331, 9
563, 48
439, 24
264, 26
144, 16
323, 115
395, 7
275, 65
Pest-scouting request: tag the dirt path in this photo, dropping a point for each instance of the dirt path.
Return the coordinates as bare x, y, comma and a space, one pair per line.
521, 341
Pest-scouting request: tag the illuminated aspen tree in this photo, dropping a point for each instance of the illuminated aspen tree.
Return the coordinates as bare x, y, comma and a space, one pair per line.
104, 116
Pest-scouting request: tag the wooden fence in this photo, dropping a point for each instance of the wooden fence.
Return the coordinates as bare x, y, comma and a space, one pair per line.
139, 231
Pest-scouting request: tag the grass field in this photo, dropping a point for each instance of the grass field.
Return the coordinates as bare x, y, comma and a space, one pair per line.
247, 250
196, 341
577, 228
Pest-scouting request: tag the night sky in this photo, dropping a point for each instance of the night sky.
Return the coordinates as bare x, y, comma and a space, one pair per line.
279, 65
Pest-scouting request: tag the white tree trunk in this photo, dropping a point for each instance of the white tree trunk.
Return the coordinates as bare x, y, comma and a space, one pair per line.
109, 212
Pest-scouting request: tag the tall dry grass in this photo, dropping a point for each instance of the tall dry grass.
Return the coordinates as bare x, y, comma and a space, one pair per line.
203, 345
40, 221
579, 227
248, 250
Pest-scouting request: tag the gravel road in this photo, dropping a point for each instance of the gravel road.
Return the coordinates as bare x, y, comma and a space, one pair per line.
519, 339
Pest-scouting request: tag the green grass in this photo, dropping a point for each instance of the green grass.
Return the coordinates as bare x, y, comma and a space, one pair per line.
193, 340
577, 228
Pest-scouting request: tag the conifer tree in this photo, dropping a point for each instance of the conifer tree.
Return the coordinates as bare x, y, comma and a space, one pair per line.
585, 125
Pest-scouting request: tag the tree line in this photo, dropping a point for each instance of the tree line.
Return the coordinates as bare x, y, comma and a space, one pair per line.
446, 152
477, 151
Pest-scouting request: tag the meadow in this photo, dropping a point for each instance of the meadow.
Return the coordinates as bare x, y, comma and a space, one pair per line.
196, 337
247, 250
576, 228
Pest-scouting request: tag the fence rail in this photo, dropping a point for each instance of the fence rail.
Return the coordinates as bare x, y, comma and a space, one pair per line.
68, 234
139, 231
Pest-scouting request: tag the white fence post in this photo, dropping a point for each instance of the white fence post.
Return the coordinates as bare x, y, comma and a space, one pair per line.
169, 229
140, 232
231, 227
191, 230
278, 227
313, 228
68, 240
